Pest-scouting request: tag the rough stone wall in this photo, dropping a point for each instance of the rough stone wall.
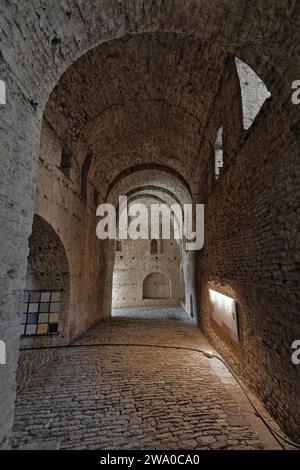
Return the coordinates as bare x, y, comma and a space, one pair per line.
58, 200
251, 254
47, 267
19, 129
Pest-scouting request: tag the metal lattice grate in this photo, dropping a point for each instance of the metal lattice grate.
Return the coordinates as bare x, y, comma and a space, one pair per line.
41, 313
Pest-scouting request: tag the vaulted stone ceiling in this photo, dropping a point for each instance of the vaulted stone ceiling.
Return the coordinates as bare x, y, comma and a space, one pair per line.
142, 98
256, 30
146, 97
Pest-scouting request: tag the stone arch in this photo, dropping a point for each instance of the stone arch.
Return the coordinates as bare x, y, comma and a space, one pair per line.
150, 167
124, 22
160, 186
167, 184
156, 286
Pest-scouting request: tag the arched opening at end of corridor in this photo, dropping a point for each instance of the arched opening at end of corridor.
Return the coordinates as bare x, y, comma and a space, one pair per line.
147, 273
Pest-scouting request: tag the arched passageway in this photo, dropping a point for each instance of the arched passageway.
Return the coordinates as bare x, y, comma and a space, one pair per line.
171, 103
147, 271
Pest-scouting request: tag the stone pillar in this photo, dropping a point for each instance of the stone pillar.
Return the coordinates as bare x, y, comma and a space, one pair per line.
19, 137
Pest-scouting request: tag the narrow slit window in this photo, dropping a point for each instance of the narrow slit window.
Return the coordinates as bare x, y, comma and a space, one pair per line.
154, 247
219, 154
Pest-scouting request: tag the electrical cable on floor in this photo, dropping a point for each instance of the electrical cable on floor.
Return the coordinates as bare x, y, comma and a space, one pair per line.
276, 434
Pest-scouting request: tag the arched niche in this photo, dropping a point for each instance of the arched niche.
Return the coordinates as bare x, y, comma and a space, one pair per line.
156, 286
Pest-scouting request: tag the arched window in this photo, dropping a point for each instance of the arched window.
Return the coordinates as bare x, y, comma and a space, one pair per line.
253, 90
219, 155
156, 286
154, 247
84, 174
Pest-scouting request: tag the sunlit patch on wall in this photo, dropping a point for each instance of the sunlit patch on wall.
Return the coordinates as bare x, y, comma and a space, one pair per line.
224, 313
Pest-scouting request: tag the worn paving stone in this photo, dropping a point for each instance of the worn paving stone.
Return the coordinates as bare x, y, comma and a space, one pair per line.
133, 397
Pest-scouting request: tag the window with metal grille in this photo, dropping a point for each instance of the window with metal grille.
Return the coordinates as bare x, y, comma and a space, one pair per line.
41, 313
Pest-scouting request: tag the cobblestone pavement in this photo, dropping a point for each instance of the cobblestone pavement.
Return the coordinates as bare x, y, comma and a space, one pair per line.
121, 397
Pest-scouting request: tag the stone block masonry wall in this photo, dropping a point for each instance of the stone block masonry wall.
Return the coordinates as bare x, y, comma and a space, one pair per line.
250, 212
58, 200
135, 263
47, 263
19, 135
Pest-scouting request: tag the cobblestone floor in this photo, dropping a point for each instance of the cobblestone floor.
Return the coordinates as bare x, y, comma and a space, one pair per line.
121, 397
